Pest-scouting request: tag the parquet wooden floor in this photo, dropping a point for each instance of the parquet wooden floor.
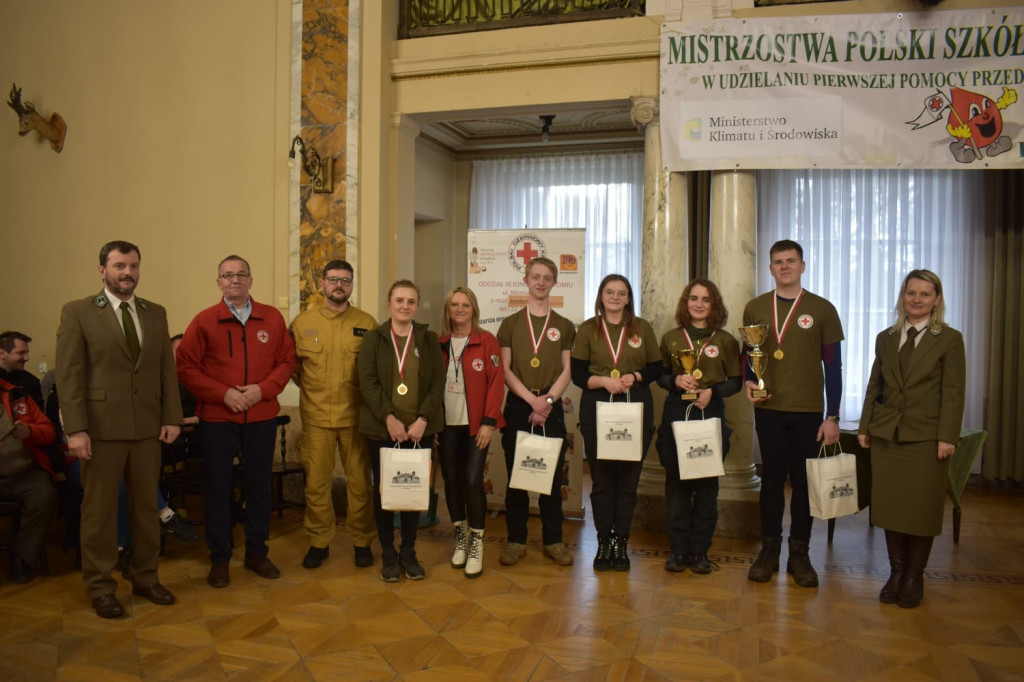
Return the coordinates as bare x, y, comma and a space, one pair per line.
536, 621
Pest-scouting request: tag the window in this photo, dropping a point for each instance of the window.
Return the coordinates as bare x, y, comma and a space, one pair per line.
861, 232
602, 192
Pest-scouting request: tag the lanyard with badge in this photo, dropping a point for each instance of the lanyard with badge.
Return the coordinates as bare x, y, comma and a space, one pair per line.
459, 385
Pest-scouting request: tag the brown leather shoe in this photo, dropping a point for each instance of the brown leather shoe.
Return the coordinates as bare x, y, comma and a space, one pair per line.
156, 593
262, 566
107, 606
219, 576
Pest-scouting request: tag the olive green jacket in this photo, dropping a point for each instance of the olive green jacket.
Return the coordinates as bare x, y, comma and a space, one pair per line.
376, 367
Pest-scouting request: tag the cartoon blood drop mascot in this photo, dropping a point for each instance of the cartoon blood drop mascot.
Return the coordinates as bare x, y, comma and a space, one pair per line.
976, 123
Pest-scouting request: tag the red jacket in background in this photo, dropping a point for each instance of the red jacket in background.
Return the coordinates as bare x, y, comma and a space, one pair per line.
485, 379
217, 353
21, 408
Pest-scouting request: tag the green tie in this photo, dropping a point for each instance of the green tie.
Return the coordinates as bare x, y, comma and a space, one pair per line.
131, 335
907, 350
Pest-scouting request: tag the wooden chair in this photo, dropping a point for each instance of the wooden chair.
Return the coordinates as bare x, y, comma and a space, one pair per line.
283, 468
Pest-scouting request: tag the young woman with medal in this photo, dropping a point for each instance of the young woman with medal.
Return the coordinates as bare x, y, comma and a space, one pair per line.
692, 504
615, 355
474, 390
913, 411
401, 374
535, 346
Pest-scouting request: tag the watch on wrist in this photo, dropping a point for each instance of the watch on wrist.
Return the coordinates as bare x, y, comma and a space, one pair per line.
834, 419
550, 400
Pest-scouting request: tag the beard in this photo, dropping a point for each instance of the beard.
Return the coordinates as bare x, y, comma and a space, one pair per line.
124, 285
338, 296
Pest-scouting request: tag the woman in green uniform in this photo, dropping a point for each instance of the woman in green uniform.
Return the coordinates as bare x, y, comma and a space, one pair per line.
692, 504
615, 354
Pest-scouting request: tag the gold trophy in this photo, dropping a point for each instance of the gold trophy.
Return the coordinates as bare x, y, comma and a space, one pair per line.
754, 336
687, 359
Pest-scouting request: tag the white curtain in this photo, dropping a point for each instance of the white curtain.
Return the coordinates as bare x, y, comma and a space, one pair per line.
861, 232
602, 192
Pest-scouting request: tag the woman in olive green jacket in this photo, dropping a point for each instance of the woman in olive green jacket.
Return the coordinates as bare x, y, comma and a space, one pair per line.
401, 374
913, 409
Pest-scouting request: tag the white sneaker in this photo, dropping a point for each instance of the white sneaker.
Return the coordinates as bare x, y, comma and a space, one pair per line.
459, 557
475, 553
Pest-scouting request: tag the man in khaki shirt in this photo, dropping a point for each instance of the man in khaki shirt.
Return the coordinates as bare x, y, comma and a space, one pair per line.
327, 343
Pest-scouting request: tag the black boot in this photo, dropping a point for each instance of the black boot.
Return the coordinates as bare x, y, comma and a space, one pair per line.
799, 564
897, 546
620, 553
603, 560
767, 561
918, 549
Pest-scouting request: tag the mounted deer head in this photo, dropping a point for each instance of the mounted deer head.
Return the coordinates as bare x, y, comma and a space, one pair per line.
53, 130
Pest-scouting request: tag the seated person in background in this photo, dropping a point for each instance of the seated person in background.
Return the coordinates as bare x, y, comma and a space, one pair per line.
13, 358
26, 474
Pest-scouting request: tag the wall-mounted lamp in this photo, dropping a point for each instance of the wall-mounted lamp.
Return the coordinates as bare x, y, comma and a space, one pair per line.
320, 171
545, 129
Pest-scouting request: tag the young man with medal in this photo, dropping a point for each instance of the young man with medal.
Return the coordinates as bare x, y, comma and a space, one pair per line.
536, 344
615, 353
804, 362
401, 374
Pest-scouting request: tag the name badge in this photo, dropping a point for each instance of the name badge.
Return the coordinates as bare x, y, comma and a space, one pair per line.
456, 387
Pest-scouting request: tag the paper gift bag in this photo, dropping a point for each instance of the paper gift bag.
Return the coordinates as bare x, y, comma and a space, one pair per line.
535, 462
620, 430
832, 484
405, 479
699, 446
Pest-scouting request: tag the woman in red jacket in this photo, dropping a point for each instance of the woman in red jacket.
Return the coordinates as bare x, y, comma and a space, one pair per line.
474, 390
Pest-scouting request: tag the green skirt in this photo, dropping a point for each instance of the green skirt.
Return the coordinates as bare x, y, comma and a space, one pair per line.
908, 486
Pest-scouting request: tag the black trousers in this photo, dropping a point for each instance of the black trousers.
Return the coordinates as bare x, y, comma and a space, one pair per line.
691, 505
787, 441
462, 464
613, 492
385, 518
517, 502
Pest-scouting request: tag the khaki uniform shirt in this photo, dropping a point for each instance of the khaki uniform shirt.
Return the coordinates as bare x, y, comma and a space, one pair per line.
719, 358
514, 333
638, 349
327, 345
797, 381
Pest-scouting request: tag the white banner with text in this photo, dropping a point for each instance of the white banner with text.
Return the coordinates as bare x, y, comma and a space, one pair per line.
901, 90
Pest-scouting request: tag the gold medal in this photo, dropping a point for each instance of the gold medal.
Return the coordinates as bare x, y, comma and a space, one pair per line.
402, 389
779, 354
697, 374
535, 361
615, 374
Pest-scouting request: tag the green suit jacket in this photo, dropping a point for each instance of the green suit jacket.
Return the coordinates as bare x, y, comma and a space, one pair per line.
927, 403
101, 391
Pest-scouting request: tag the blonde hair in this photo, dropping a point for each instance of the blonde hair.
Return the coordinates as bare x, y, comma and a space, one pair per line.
937, 317
446, 320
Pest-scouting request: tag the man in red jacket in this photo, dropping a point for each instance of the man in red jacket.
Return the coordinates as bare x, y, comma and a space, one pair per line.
26, 474
236, 357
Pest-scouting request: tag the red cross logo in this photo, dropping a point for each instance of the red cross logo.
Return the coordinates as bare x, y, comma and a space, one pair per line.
527, 253
936, 104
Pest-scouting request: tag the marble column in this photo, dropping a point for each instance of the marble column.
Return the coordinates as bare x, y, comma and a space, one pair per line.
732, 266
324, 104
665, 253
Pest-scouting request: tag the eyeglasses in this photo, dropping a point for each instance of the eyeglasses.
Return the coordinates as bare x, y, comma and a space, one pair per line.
335, 281
228, 276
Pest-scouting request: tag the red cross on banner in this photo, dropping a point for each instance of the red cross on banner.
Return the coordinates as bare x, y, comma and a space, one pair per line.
527, 253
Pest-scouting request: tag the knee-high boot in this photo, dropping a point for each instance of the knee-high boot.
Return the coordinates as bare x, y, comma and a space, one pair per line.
896, 543
918, 549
